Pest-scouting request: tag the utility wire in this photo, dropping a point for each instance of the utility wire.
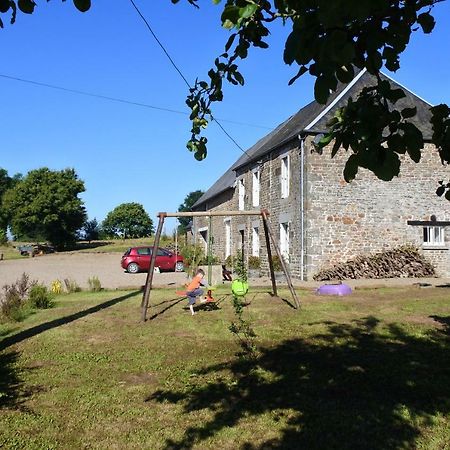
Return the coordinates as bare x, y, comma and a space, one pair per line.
181, 73
116, 99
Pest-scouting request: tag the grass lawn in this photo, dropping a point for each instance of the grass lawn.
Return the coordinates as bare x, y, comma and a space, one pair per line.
368, 371
118, 245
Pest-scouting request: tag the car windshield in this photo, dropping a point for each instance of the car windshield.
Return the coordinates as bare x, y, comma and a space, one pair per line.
127, 252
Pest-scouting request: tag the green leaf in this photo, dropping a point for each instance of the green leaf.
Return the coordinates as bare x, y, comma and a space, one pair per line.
351, 168
321, 90
82, 5
26, 6
427, 22
301, 71
409, 112
248, 10
440, 191
345, 74
4, 6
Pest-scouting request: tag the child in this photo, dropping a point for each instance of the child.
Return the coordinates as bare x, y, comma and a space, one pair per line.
193, 289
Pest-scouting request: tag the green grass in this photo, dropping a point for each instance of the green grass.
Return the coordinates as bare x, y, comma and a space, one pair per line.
106, 246
368, 371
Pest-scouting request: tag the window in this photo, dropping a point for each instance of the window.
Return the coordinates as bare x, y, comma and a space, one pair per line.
227, 238
241, 192
433, 236
255, 185
144, 251
255, 241
204, 238
285, 177
284, 240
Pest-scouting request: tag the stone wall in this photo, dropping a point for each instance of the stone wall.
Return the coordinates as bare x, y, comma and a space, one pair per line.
340, 220
369, 215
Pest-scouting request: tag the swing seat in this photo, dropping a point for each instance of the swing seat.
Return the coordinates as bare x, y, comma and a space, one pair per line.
208, 298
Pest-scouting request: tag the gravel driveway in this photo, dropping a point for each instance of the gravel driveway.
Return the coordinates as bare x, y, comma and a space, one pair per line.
80, 267
106, 266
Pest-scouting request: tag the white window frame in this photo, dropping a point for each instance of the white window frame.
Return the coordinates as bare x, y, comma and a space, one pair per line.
256, 186
433, 236
202, 237
284, 240
241, 194
255, 241
285, 175
227, 223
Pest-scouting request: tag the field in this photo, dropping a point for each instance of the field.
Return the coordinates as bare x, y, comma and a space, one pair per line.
107, 246
368, 371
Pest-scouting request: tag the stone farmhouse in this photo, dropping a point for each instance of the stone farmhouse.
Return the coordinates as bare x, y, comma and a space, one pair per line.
318, 218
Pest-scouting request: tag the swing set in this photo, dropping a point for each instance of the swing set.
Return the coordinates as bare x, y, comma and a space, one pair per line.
267, 233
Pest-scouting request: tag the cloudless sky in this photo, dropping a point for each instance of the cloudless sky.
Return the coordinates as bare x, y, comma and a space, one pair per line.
128, 153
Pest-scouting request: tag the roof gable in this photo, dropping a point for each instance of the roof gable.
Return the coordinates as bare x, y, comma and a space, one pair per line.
313, 119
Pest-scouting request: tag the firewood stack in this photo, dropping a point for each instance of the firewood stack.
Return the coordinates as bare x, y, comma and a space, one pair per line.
401, 262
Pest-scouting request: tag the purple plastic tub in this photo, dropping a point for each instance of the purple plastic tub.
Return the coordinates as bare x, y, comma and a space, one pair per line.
334, 289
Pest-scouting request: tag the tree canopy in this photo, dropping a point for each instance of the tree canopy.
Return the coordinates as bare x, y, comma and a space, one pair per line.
128, 220
187, 205
45, 205
332, 41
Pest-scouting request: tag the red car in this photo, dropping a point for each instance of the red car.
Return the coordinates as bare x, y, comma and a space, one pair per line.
137, 259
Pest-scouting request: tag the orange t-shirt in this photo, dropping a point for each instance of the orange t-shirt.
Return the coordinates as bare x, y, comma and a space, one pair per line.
195, 283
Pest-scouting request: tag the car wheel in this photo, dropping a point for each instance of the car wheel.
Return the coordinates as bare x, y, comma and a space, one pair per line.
132, 268
179, 266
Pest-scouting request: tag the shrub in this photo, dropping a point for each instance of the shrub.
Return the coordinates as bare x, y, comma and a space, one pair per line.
254, 262
56, 287
40, 297
71, 285
94, 284
277, 267
13, 301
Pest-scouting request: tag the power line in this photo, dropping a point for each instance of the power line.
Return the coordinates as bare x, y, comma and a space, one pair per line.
181, 73
116, 99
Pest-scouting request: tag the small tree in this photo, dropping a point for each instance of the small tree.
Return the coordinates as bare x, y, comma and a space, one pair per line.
91, 230
186, 206
128, 220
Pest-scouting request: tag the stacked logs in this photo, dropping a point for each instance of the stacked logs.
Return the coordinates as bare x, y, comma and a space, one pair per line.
401, 262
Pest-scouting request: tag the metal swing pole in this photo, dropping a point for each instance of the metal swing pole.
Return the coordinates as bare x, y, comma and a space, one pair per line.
149, 279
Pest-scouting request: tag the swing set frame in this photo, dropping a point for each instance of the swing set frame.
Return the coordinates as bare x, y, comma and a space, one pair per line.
269, 236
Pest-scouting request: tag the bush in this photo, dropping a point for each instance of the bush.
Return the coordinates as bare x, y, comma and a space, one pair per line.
40, 297
94, 284
277, 267
14, 298
254, 262
71, 285
56, 287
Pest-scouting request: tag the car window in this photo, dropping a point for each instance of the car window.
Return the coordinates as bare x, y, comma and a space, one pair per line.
127, 252
161, 252
143, 251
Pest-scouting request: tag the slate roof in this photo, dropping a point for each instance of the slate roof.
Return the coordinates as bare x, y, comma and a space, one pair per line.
313, 119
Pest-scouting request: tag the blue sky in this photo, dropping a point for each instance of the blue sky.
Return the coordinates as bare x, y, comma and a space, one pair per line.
127, 153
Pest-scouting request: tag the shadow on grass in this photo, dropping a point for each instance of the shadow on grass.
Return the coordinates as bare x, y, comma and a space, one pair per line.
13, 393
355, 386
30, 332
175, 302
